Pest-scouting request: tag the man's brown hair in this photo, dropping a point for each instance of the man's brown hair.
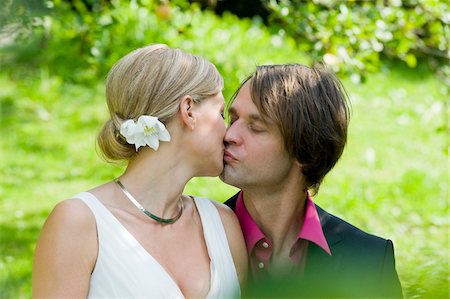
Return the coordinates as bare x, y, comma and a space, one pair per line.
310, 107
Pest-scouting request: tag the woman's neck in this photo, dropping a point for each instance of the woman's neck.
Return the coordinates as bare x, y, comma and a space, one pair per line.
156, 179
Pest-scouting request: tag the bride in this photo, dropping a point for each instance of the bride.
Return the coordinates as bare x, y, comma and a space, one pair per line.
139, 235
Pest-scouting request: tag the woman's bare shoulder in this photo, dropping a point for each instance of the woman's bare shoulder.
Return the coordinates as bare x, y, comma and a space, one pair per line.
73, 211
66, 251
70, 220
224, 210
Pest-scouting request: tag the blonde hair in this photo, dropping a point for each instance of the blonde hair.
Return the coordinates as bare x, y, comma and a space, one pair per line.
151, 81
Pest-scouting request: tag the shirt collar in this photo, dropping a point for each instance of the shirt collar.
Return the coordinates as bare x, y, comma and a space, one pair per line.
250, 230
311, 229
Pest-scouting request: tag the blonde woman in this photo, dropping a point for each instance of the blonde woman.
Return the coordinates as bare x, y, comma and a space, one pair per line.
139, 235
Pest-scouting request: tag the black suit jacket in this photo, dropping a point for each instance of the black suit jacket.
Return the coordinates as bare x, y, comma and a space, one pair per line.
361, 266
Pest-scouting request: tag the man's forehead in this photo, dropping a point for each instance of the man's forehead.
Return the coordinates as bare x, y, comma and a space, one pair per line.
243, 106
250, 113
245, 109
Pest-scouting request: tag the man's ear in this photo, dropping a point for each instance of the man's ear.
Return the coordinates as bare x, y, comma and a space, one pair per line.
297, 164
187, 111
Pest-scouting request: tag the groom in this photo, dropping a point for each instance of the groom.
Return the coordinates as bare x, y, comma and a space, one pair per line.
288, 128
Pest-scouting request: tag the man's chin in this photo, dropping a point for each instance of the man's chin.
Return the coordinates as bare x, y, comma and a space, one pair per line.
228, 179
223, 177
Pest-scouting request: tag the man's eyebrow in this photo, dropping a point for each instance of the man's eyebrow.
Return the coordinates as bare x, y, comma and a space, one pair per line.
256, 117
253, 116
232, 110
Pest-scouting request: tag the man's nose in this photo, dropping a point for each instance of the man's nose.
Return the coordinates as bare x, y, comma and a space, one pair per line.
232, 135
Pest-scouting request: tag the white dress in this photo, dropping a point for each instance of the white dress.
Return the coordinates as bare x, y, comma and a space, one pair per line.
124, 269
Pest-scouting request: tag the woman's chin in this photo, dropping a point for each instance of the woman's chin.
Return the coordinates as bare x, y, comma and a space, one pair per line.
212, 172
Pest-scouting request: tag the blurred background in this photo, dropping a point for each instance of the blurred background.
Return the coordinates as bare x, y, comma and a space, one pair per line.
392, 56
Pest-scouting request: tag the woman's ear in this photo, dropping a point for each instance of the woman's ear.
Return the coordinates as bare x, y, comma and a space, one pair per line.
187, 111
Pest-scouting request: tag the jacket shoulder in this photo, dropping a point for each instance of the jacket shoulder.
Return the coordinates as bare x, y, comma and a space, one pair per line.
231, 202
336, 230
361, 263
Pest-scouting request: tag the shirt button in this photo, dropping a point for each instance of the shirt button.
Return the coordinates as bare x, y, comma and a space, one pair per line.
265, 245
261, 265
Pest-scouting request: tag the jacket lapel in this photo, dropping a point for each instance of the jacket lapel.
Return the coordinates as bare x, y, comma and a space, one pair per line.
318, 263
330, 229
232, 201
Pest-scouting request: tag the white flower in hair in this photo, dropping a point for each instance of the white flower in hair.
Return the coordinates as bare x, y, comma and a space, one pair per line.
148, 130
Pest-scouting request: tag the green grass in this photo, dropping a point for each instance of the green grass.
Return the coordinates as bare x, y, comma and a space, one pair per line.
393, 177
392, 180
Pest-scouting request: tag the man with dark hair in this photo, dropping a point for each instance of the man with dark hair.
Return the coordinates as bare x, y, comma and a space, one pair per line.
288, 128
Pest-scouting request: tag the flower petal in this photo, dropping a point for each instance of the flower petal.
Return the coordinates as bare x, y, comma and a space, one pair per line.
152, 141
139, 140
148, 130
163, 134
147, 120
128, 129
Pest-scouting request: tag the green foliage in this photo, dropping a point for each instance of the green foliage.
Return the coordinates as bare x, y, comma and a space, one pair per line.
80, 45
356, 36
393, 175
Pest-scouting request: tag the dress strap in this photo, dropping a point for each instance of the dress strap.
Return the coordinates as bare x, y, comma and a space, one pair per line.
222, 263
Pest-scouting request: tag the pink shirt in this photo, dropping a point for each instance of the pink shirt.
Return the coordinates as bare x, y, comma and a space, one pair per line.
259, 247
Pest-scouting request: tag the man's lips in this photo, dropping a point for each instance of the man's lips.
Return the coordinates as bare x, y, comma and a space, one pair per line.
228, 157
